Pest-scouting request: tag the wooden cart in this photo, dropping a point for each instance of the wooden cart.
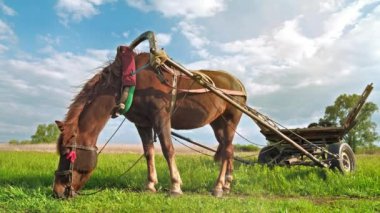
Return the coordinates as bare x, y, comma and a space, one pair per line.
314, 139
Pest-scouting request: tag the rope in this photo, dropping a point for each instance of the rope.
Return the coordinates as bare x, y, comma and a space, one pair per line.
236, 158
195, 150
100, 151
121, 175
110, 138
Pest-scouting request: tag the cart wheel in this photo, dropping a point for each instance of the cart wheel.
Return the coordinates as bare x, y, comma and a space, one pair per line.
346, 162
269, 155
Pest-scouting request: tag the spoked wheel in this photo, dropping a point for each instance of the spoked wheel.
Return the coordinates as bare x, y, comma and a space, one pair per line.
346, 161
269, 155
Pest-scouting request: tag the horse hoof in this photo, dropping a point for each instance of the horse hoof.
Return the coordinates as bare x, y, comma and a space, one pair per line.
176, 193
217, 193
149, 187
152, 190
226, 190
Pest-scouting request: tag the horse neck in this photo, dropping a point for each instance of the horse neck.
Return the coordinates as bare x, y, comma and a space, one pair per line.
94, 117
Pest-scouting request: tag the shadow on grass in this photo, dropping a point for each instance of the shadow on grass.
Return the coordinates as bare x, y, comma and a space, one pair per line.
305, 174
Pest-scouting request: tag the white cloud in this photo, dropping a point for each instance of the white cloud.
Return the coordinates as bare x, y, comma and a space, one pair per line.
262, 89
163, 39
330, 5
40, 89
187, 8
3, 48
6, 9
125, 34
291, 45
48, 39
193, 33
285, 46
7, 37
76, 10
6, 32
341, 20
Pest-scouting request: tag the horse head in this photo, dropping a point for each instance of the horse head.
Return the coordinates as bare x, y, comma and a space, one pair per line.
76, 164
86, 117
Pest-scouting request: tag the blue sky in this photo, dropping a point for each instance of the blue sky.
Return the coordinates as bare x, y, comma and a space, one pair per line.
295, 57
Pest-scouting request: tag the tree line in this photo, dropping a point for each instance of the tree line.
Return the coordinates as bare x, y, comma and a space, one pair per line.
45, 133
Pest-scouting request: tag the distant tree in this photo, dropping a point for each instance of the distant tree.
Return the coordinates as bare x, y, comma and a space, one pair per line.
17, 142
364, 133
46, 133
13, 141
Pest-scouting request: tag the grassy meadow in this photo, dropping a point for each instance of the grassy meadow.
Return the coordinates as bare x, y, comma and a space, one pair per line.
26, 179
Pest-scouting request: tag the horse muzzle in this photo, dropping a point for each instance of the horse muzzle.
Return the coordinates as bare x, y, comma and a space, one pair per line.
68, 192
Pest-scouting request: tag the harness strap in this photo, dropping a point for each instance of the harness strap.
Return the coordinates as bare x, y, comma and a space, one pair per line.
198, 74
65, 172
89, 148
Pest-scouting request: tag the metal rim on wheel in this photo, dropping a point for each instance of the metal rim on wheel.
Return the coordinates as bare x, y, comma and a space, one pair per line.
346, 162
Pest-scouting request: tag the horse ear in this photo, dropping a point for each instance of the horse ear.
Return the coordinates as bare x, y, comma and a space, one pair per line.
60, 125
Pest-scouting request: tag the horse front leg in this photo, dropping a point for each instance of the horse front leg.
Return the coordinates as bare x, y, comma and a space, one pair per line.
146, 136
163, 130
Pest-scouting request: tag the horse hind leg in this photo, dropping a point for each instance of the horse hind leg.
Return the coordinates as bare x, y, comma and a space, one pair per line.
229, 153
229, 176
224, 130
146, 136
219, 130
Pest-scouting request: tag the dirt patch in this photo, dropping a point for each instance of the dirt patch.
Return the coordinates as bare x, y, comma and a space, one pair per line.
111, 148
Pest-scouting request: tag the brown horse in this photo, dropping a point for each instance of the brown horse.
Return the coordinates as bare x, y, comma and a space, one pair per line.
152, 110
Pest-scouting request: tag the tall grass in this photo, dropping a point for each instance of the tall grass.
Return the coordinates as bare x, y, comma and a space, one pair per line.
26, 180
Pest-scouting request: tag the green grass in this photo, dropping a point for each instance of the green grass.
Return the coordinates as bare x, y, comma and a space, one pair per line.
26, 180
246, 148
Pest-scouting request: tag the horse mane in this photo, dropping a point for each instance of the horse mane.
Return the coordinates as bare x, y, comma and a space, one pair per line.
88, 92
85, 96
80, 100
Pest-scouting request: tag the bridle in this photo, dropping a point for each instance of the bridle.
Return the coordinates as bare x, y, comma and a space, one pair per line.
79, 164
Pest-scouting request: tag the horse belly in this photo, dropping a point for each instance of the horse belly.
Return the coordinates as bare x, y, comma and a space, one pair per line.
196, 111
